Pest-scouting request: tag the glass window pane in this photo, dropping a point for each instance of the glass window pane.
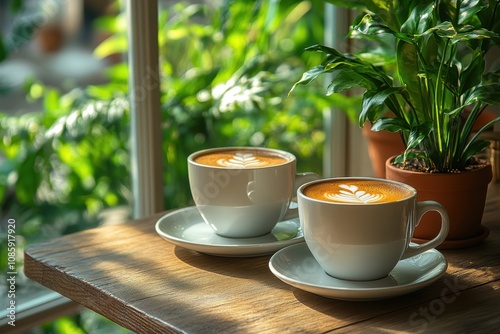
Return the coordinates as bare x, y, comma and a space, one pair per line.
226, 68
64, 162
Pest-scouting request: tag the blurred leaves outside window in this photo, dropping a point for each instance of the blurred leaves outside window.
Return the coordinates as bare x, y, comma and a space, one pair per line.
225, 71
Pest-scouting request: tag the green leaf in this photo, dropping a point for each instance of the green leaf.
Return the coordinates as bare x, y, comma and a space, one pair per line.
308, 77
484, 128
468, 34
408, 71
347, 75
66, 325
468, 11
450, 77
374, 103
388, 11
354, 71
345, 80
443, 30
409, 155
115, 44
418, 134
489, 94
312, 74
51, 101
368, 26
468, 76
455, 112
419, 20
490, 17
447, 10
472, 149
390, 124
112, 24
324, 49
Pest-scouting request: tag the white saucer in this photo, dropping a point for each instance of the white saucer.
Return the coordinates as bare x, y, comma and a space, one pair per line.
296, 266
186, 228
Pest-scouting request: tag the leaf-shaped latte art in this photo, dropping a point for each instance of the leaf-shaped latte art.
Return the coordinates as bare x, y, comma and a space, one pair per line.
351, 194
241, 160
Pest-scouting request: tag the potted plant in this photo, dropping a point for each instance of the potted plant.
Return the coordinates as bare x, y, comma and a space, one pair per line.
438, 87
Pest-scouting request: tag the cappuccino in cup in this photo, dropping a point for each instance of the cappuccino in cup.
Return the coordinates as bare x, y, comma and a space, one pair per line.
243, 192
237, 158
360, 228
357, 191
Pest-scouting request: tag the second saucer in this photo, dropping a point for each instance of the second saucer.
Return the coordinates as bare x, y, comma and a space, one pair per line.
296, 266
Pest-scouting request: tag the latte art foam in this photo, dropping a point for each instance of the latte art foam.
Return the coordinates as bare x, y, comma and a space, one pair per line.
240, 159
357, 191
351, 194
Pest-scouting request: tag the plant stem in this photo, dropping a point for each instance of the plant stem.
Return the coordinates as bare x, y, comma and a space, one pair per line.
439, 106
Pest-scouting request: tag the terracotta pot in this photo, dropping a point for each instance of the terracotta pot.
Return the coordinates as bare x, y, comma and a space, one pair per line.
381, 146
462, 194
50, 38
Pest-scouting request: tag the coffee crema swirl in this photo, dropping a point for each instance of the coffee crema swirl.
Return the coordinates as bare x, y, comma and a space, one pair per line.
357, 191
241, 159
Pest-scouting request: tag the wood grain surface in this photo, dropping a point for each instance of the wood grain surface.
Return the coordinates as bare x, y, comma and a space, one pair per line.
131, 275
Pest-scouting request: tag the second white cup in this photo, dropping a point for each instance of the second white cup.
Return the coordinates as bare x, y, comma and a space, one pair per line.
360, 228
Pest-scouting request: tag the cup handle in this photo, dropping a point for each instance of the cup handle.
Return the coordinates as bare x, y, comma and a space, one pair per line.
422, 208
300, 179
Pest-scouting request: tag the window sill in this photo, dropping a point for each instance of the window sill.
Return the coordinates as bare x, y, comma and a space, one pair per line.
36, 307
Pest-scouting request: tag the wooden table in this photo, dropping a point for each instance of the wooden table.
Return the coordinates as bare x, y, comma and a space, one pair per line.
137, 279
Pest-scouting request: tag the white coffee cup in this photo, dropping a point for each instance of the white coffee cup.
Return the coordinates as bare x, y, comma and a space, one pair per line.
360, 228
243, 192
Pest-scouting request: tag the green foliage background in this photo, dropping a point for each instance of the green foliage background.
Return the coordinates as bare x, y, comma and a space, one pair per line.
225, 72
